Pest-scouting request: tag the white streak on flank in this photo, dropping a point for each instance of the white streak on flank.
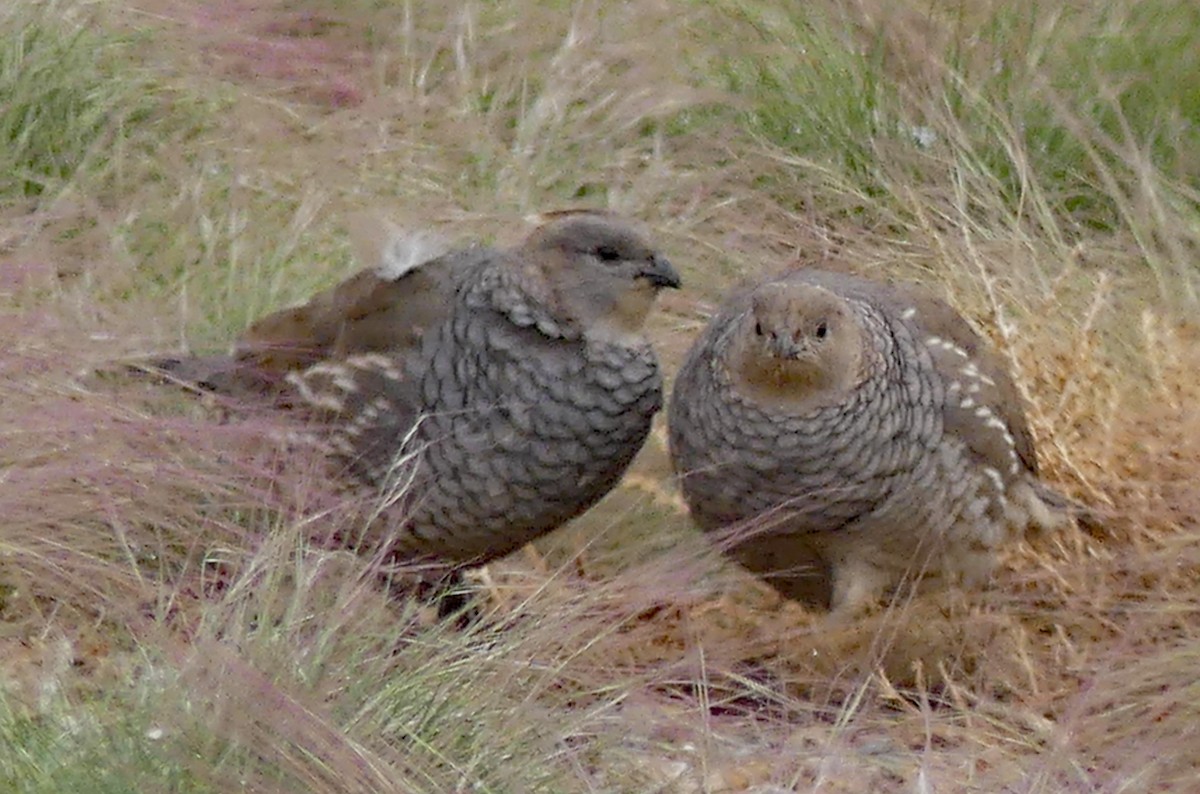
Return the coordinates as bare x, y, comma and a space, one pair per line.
320, 400
344, 382
376, 362
983, 412
950, 347
995, 477
934, 341
908, 313
967, 403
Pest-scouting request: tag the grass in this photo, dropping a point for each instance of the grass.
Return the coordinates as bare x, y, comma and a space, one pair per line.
62, 106
1073, 121
171, 617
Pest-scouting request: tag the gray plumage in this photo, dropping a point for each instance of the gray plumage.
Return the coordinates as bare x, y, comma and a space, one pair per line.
522, 405
860, 433
385, 308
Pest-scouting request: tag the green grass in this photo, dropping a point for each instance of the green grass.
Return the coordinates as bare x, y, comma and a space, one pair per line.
205, 252
297, 676
1076, 122
813, 88
71, 107
1093, 78
110, 746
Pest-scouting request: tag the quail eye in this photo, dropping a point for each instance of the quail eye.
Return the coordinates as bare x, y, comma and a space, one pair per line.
758, 329
608, 254
822, 330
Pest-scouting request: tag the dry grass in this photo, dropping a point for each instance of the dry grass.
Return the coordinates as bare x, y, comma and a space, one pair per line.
169, 615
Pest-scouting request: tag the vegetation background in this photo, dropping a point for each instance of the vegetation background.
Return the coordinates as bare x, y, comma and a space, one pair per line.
170, 169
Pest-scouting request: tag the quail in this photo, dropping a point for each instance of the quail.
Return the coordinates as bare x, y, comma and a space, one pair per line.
846, 436
485, 396
385, 308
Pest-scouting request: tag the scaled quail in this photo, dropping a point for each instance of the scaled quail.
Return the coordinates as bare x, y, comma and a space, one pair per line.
853, 435
488, 395
386, 308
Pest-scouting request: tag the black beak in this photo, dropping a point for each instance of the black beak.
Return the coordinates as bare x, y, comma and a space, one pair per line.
661, 273
785, 347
